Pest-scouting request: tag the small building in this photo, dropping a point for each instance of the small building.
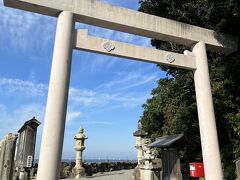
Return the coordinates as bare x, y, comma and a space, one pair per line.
26, 144
171, 166
171, 141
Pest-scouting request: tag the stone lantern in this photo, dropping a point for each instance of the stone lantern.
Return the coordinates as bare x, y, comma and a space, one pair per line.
139, 134
79, 170
7, 151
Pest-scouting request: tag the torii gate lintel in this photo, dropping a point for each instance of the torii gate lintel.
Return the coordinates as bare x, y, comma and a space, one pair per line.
108, 16
84, 42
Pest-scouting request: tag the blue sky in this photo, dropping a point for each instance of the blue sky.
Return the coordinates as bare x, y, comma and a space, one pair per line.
106, 93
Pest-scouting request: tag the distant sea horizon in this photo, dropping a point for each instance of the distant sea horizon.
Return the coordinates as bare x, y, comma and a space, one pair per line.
97, 160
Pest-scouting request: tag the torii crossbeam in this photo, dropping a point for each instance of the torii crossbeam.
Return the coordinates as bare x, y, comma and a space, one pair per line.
96, 13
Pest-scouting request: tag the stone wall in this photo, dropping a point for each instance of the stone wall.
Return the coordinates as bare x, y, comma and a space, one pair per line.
66, 170
93, 168
7, 152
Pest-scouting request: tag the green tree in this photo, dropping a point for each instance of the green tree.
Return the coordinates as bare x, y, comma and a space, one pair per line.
172, 107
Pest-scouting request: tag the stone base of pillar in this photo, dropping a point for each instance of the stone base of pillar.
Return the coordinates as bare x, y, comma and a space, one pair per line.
23, 175
136, 174
147, 174
238, 169
79, 172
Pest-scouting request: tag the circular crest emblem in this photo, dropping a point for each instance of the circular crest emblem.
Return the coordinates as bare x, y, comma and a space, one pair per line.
108, 46
170, 58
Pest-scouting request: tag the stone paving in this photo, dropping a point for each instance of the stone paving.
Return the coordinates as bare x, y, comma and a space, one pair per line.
116, 175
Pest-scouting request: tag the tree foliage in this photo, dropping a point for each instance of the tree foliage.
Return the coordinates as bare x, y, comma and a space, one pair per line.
172, 107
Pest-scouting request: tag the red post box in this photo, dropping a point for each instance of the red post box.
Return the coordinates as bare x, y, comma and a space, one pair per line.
197, 170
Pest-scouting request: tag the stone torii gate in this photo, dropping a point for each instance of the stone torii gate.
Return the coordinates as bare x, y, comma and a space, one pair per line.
96, 13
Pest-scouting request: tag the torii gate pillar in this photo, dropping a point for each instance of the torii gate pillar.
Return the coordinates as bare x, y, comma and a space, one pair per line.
206, 116
55, 116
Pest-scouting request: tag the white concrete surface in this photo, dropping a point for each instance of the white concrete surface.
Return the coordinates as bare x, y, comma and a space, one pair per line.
97, 13
125, 50
206, 116
55, 116
115, 175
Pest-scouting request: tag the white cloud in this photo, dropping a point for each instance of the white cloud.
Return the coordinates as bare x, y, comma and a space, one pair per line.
27, 111
82, 96
11, 121
12, 117
128, 80
11, 86
100, 100
25, 31
96, 123
17, 25
2, 108
32, 76
72, 116
104, 95
81, 101
122, 82
144, 80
